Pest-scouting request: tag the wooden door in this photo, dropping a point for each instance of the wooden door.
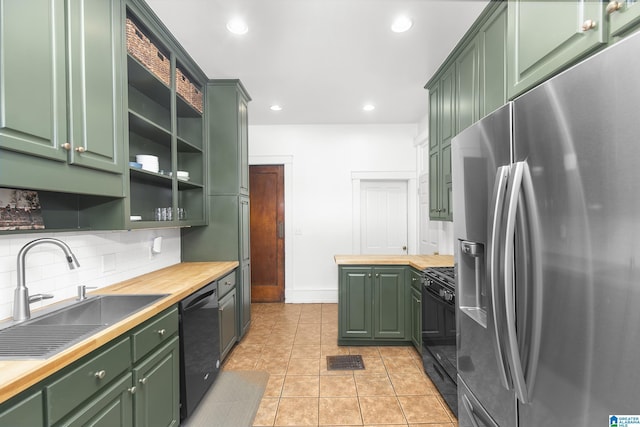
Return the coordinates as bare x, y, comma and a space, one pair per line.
266, 185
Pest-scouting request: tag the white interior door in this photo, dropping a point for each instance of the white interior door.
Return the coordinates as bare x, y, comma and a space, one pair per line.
428, 229
383, 217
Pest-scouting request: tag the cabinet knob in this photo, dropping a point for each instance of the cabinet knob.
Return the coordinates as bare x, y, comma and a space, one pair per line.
132, 390
81, 149
100, 374
613, 6
589, 24
161, 332
369, 274
377, 274
142, 381
66, 146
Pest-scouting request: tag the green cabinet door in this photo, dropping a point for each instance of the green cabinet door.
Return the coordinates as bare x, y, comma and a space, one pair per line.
390, 307
244, 290
468, 80
546, 36
112, 408
624, 16
157, 382
243, 124
355, 301
493, 63
245, 300
228, 322
33, 84
95, 84
23, 411
444, 98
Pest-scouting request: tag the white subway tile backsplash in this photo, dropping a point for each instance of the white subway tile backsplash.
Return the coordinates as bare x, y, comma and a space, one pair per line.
127, 254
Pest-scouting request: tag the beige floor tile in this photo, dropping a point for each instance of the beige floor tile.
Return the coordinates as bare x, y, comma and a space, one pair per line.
277, 351
339, 411
297, 411
332, 349
337, 386
372, 365
388, 351
381, 410
266, 414
240, 364
411, 384
401, 364
423, 409
302, 351
274, 386
364, 350
301, 386
304, 366
307, 339
374, 385
273, 366
446, 407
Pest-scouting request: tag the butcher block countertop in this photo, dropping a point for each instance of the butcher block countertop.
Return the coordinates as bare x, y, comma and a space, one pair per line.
178, 281
419, 262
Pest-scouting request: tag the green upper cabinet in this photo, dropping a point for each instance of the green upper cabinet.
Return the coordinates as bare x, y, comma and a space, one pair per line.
61, 95
470, 84
546, 36
623, 16
228, 125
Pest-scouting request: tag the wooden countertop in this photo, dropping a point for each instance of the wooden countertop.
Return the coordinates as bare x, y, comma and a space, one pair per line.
178, 281
419, 262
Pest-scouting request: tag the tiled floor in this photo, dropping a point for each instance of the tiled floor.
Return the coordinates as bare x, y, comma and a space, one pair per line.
291, 342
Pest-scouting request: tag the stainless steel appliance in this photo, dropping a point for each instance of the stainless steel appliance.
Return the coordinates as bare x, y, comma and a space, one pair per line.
439, 331
199, 346
546, 222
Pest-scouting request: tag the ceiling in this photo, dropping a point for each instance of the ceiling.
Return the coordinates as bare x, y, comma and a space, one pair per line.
322, 60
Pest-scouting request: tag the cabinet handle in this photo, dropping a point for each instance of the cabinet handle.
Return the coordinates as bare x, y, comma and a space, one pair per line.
101, 374
589, 24
613, 6
369, 274
81, 149
142, 381
377, 274
66, 146
161, 332
132, 390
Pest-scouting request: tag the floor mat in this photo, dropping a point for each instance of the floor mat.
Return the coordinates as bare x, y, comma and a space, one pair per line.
232, 401
345, 362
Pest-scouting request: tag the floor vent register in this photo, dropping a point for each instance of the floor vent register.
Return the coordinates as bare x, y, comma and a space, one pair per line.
349, 362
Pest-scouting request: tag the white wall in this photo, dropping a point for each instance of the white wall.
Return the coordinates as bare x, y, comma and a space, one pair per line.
105, 258
319, 201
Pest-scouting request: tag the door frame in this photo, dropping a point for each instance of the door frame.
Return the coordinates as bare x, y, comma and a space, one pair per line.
287, 162
412, 205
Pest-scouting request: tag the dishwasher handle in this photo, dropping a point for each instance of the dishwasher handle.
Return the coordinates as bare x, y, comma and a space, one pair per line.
200, 298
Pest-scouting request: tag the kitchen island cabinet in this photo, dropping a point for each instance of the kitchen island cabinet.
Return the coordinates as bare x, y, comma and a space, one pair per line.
372, 305
379, 298
62, 96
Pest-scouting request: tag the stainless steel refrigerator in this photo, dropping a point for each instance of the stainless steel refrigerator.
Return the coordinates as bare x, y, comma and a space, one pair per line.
547, 248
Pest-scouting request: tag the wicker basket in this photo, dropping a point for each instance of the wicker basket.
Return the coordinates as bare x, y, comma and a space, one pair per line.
188, 91
142, 48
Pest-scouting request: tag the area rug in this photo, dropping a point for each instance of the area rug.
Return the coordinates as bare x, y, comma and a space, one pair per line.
232, 401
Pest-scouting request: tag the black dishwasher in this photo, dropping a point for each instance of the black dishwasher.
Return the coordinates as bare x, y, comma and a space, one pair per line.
199, 346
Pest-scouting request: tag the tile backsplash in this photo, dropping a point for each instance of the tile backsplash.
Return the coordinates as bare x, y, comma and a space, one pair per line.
105, 258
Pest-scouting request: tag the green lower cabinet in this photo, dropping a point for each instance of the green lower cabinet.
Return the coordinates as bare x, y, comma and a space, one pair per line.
228, 322
157, 382
111, 408
23, 412
372, 305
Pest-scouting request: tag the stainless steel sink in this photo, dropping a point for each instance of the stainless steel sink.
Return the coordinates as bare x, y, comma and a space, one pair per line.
48, 334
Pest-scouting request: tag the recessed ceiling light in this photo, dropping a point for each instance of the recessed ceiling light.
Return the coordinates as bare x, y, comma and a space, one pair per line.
237, 26
275, 108
401, 24
369, 107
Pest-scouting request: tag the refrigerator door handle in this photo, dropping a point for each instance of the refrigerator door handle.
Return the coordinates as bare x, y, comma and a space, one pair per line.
509, 292
500, 190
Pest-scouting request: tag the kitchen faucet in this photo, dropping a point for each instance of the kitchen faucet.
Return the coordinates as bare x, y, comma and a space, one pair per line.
21, 300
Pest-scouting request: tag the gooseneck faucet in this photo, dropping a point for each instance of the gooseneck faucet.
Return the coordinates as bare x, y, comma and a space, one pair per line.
21, 300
